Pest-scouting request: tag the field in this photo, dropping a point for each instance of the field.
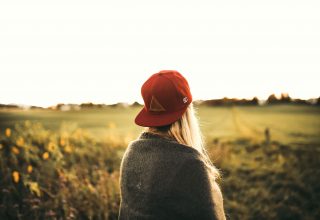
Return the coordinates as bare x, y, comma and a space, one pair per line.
64, 165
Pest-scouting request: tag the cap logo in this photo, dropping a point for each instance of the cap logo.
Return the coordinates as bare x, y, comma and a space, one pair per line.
155, 106
185, 99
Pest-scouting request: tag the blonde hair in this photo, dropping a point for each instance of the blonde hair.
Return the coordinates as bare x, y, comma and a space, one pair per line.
187, 131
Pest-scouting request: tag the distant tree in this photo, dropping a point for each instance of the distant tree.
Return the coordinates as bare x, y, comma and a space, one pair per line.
300, 102
87, 105
230, 102
10, 106
136, 104
272, 99
254, 101
285, 98
59, 106
35, 107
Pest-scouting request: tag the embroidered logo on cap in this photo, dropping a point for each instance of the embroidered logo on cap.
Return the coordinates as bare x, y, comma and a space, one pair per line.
155, 106
185, 99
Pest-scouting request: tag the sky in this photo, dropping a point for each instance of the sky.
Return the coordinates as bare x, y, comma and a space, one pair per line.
102, 51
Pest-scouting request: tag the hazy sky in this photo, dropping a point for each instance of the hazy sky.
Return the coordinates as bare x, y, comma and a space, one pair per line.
102, 51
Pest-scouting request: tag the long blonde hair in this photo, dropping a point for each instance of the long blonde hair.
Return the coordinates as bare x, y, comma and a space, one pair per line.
187, 131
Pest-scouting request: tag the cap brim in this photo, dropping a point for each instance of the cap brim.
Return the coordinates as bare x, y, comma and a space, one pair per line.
147, 119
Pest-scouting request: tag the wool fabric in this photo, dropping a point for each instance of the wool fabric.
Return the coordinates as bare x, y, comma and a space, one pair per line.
162, 179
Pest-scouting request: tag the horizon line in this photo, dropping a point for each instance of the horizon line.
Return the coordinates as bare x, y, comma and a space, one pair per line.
132, 102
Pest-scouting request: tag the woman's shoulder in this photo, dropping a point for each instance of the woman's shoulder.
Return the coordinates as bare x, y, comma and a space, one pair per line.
152, 142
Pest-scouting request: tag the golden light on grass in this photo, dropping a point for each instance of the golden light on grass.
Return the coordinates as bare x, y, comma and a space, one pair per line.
45, 155
91, 188
27, 123
29, 169
8, 132
112, 125
15, 150
15, 176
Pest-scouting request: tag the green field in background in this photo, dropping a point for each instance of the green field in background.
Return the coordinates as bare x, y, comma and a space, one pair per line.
287, 123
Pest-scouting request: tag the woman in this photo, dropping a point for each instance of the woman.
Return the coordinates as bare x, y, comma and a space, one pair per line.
166, 173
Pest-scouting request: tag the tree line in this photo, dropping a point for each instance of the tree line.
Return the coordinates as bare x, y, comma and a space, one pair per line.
271, 100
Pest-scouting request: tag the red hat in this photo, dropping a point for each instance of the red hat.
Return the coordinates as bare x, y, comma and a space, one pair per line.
166, 96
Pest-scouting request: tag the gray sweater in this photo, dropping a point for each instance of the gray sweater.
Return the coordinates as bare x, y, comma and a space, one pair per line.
162, 179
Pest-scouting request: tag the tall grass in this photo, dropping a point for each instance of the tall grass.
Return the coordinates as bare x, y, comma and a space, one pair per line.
65, 174
69, 174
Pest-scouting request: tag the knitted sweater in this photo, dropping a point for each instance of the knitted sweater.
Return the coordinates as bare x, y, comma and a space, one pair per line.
162, 179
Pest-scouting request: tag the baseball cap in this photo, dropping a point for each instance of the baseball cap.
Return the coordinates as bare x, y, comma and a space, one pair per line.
166, 96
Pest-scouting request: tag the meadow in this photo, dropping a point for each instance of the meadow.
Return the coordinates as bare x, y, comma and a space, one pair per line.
65, 165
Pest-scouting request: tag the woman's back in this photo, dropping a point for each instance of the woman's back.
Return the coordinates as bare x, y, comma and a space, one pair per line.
162, 179
166, 173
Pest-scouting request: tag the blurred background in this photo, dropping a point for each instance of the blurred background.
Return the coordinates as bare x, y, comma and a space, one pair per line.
71, 73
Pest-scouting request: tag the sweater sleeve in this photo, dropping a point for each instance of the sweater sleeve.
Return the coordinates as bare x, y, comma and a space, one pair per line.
192, 191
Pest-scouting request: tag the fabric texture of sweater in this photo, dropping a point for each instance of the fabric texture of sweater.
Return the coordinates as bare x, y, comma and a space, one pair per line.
162, 179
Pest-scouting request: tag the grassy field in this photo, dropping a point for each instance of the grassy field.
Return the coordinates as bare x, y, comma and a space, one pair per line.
65, 164
288, 124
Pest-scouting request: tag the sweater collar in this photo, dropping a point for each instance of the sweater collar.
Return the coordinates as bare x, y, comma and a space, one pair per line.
149, 135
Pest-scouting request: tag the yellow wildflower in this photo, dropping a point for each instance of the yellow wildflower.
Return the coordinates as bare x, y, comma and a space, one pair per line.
15, 150
34, 187
20, 141
68, 149
45, 155
51, 146
29, 169
62, 142
15, 176
8, 132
